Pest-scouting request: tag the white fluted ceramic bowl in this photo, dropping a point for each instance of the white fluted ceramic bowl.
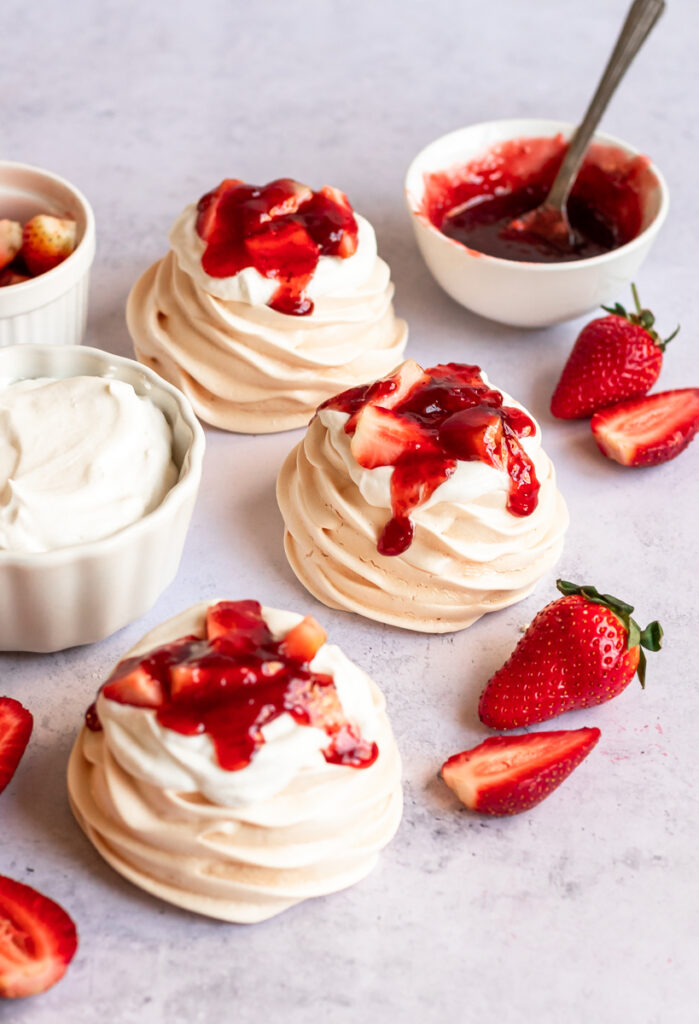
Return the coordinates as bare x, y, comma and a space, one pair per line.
77, 595
50, 309
523, 294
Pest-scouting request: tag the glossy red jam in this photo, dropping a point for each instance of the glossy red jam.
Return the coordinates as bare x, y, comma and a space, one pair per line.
423, 423
475, 203
236, 681
281, 229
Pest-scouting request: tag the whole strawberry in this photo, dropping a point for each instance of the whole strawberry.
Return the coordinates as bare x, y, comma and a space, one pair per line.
615, 357
580, 650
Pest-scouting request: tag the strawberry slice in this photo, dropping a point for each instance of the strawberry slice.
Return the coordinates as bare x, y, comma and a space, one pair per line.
10, 241
383, 437
303, 641
16, 725
209, 204
648, 431
508, 774
47, 241
37, 940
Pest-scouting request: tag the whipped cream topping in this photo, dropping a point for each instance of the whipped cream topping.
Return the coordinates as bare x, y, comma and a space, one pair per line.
170, 760
333, 275
80, 459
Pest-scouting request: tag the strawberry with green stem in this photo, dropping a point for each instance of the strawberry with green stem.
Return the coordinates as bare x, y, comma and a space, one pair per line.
615, 357
581, 650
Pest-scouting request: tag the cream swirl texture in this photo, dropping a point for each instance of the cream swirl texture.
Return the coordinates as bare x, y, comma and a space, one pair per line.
469, 554
246, 367
80, 459
240, 845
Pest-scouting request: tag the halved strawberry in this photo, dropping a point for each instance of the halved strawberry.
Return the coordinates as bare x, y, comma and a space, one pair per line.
47, 241
37, 940
304, 640
648, 431
16, 725
382, 437
208, 206
10, 241
508, 774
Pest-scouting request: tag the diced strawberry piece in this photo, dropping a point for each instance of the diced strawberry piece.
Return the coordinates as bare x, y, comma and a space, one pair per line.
462, 375
347, 245
304, 640
241, 617
10, 241
314, 701
133, 683
15, 729
408, 377
208, 207
508, 774
284, 251
37, 940
650, 430
47, 241
8, 276
382, 437
473, 435
209, 676
284, 196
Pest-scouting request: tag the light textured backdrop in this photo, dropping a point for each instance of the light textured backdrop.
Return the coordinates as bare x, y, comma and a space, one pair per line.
586, 908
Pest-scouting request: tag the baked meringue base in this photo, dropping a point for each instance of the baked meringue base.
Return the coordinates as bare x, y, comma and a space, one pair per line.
250, 369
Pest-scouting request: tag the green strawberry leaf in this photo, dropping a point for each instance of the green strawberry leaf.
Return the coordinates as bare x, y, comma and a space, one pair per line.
650, 637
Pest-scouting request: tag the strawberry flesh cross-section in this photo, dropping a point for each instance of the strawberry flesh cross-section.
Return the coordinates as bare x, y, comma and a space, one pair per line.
281, 229
235, 681
423, 422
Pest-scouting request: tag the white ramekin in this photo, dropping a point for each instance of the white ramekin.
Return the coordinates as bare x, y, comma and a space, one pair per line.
523, 294
50, 309
77, 595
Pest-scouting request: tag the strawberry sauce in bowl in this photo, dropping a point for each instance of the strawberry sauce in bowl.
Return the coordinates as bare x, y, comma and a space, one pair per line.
464, 189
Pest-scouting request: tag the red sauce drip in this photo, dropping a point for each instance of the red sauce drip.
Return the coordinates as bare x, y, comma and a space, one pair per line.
447, 415
475, 203
234, 683
281, 229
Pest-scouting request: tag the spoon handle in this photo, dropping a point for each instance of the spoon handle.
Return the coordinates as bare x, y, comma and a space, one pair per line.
641, 18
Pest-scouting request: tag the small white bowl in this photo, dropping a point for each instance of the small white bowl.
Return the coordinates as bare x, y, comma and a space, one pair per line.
77, 595
523, 294
50, 309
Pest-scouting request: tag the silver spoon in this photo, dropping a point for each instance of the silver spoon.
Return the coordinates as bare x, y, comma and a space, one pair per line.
549, 220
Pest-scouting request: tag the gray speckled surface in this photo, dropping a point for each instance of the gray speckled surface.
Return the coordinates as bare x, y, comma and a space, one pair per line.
586, 908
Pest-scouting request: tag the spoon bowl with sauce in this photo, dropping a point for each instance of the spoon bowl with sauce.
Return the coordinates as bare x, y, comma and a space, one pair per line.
465, 189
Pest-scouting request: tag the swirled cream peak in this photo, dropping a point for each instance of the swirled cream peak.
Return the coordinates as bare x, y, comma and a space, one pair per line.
244, 365
444, 542
80, 459
243, 844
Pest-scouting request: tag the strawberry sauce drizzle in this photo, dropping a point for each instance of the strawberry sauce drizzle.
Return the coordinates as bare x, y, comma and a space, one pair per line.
281, 229
475, 203
450, 415
231, 685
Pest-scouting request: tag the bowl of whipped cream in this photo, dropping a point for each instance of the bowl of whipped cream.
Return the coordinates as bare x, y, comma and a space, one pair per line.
100, 464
